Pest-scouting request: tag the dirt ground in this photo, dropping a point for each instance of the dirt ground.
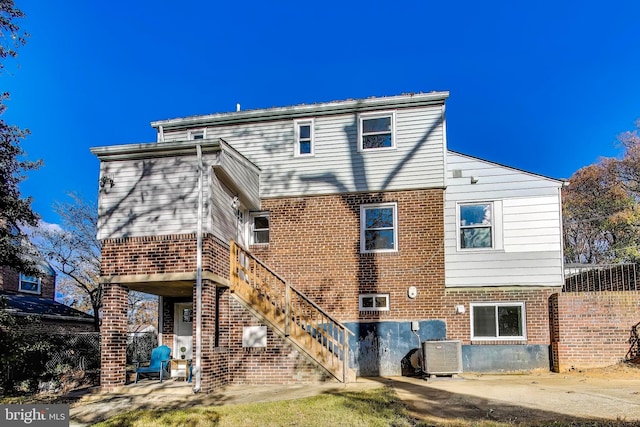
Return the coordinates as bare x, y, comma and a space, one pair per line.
535, 398
611, 393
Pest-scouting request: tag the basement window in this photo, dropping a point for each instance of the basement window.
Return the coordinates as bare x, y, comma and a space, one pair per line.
491, 321
374, 302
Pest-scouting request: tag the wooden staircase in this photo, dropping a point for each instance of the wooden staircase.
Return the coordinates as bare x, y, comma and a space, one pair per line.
290, 314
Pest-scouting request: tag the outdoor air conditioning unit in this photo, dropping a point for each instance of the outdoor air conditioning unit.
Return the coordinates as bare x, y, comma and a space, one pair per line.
442, 357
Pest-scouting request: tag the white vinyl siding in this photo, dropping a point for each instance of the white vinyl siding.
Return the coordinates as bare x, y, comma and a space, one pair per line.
150, 197
337, 166
527, 248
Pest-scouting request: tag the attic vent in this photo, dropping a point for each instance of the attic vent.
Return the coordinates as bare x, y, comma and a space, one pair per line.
457, 173
442, 357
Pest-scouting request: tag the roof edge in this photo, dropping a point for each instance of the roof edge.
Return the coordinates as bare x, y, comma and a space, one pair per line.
305, 110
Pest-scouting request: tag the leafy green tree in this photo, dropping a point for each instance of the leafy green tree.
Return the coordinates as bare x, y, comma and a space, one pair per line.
600, 209
15, 211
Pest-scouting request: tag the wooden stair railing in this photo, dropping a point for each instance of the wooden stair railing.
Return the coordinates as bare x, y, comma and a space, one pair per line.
291, 313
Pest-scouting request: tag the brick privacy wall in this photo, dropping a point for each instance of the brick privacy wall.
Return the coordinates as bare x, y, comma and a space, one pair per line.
175, 253
315, 246
10, 281
591, 329
114, 336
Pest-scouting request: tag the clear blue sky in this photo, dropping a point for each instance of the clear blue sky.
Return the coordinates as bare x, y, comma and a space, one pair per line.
544, 86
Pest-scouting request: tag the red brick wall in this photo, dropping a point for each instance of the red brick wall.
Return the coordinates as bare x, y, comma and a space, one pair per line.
315, 246
536, 309
592, 329
174, 253
277, 363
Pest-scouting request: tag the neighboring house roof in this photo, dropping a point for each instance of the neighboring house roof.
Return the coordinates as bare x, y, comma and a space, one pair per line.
29, 305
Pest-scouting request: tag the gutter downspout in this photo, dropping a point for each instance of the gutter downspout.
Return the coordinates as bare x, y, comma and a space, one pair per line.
198, 369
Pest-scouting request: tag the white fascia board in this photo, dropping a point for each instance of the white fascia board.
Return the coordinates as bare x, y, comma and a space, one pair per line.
154, 149
304, 110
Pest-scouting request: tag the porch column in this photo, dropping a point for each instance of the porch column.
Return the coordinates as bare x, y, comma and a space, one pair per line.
113, 333
210, 366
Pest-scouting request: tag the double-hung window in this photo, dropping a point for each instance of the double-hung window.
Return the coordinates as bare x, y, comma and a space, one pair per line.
379, 228
260, 228
476, 225
376, 131
304, 143
498, 321
29, 284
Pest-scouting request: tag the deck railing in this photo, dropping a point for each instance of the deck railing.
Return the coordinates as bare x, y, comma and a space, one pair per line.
290, 312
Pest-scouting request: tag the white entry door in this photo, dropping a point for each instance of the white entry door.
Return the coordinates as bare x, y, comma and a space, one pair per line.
183, 327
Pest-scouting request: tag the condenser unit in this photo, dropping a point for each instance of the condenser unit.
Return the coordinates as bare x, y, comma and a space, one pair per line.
442, 357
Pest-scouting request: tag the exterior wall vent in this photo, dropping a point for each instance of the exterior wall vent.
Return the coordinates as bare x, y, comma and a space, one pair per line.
442, 357
457, 173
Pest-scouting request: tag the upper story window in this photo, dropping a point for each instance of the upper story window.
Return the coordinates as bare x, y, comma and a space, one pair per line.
198, 134
29, 284
376, 131
378, 228
476, 225
260, 228
498, 321
304, 143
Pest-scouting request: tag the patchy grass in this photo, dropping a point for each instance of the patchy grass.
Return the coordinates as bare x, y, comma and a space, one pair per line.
378, 407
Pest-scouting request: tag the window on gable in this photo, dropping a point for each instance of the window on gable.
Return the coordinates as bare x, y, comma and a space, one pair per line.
259, 228
374, 302
197, 134
29, 284
498, 321
378, 228
476, 225
304, 144
376, 131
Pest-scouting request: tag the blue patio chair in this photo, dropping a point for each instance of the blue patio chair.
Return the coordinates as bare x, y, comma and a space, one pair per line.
158, 365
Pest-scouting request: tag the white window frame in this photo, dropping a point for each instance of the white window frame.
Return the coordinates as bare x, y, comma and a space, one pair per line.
194, 132
523, 319
252, 230
375, 302
363, 229
495, 244
297, 125
29, 279
366, 116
